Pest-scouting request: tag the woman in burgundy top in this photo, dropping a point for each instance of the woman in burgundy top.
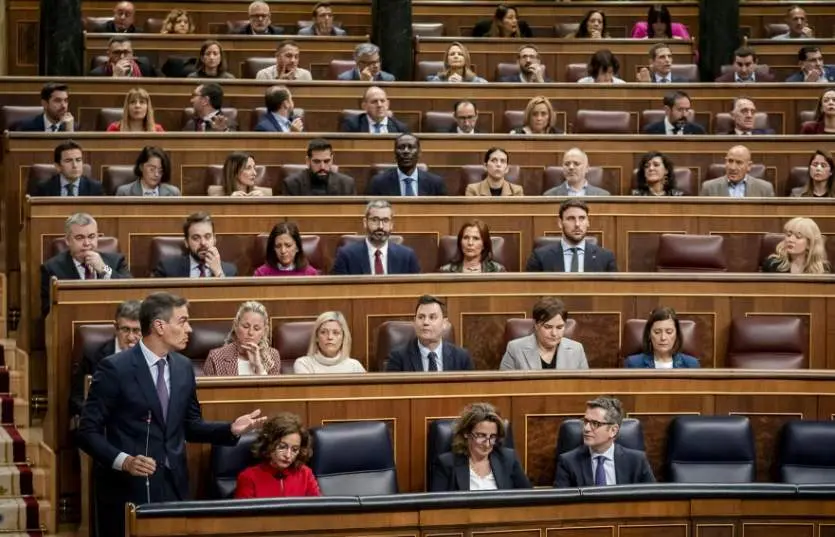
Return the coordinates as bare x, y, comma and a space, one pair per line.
285, 255
824, 122
283, 447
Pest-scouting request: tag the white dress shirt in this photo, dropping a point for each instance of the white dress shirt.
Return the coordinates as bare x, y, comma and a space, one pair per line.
608, 464
663, 78
487, 482
384, 255
384, 125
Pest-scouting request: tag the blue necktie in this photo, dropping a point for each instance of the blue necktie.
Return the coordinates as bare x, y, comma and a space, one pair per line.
600, 472
378, 128
410, 190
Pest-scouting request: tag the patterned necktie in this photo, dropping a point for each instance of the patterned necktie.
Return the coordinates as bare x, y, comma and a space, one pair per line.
70, 188
378, 262
410, 190
150, 193
433, 361
378, 128
575, 260
600, 472
89, 273
54, 127
202, 268
162, 389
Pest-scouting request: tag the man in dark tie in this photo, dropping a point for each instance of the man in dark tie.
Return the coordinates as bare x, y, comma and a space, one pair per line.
428, 351
56, 116
141, 409
68, 179
203, 259
376, 254
406, 179
600, 461
677, 113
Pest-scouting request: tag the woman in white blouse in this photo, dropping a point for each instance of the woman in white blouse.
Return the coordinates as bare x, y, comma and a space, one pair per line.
330, 348
477, 460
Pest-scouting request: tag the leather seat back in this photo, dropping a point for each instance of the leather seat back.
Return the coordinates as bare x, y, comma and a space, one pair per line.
805, 453
633, 335
690, 253
766, 342
291, 339
711, 449
447, 249
229, 461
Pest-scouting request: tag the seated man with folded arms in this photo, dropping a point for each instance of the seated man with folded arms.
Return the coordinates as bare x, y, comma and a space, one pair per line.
573, 253
68, 179
736, 182
286, 65
281, 115
319, 179
745, 68
367, 59
600, 461
575, 165
377, 118
812, 67
660, 68
207, 102
121, 63
128, 334
124, 14
743, 113
260, 21
202, 259
56, 116
406, 179
798, 24
81, 260
376, 254
677, 114
466, 118
531, 70
322, 22
428, 351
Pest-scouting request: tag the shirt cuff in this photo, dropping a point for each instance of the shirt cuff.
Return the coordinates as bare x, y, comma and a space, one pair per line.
119, 461
107, 273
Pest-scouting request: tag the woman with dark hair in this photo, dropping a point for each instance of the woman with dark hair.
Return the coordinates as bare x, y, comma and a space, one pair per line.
477, 460
824, 122
283, 448
547, 347
656, 176
819, 183
603, 68
662, 343
475, 250
659, 25
496, 162
285, 255
456, 66
239, 174
211, 63
505, 23
593, 26
153, 173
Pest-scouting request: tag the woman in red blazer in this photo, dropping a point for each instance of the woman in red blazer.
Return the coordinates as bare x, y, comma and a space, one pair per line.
283, 447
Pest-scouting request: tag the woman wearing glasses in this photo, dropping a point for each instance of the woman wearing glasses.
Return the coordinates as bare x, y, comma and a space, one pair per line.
477, 460
283, 447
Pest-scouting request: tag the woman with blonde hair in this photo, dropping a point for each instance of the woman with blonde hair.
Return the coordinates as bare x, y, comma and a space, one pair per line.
247, 349
539, 116
178, 21
456, 66
137, 114
239, 173
330, 348
801, 252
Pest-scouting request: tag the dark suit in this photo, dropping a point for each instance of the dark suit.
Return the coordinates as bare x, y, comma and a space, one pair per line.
353, 74
146, 69
674, 79
660, 128
87, 366
574, 468
451, 472
387, 184
300, 184
454, 130
754, 132
115, 419
759, 77
36, 124
360, 123
407, 358
828, 73
180, 267
271, 30
52, 187
515, 78
110, 28
269, 123
62, 267
353, 259
551, 259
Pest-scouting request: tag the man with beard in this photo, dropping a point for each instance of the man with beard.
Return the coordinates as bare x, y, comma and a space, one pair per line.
406, 179
319, 179
575, 168
531, 70
573, 253
676, 121
280, 116
376, 254
56, 116
203, 259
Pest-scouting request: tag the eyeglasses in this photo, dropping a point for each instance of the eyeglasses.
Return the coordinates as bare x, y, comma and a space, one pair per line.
285, 448
125, 330
260, 16
594, 424
121, 52
482, 438
374, 220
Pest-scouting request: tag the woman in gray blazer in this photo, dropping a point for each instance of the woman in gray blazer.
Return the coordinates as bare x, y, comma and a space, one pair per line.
153, 171
546, 348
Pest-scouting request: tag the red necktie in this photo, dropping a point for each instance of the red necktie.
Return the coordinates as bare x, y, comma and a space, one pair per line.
378, 262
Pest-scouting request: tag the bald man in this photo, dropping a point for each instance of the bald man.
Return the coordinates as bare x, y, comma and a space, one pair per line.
124, 14
736, 182
377, 118
798, 24
260, 22
575, 168
744, 113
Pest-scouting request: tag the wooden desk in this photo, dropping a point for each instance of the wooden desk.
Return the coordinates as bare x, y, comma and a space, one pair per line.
478, 308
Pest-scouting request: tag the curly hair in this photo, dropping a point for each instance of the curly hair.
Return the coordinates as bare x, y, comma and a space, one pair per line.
276, 428
472, 415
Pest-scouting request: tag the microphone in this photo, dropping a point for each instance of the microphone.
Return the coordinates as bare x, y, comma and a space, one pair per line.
147, 441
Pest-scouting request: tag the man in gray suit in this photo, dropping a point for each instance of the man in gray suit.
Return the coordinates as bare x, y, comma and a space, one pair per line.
575, 165
736, 182
546, 348
319, 179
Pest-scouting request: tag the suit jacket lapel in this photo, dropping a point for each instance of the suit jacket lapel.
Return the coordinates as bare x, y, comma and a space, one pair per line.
333, 184
678, 361
649, 361
391, 259
447, 358
83, 186
136, 188
68, 266
723, 187
585, 468
461, 468
417, 363
483, 188
177, 402
146, 384
531, 353
500, 473
185, 266
590, 263
562, 355
621, 473
364, 123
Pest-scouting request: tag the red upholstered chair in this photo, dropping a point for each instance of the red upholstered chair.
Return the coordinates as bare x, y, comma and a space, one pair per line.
205, 336
11, 115
233, 27
43, 172
513, 119
516, 327
337, 67
777, 28
690, 253
229, 112
688, 71
798, 177
346, 113
807, 115
447, 250
116, 176
442, 122
425, 69
393, 334
108, 245
565, 29
576, 71
95, 25
717, 169
766, 342
428, 29
153, 25
723, 123
555, 176
253, 65
106, 116
633, 335
291, 339
88, 338
506, 69
602, 122
684, 180
311, 245
162, 247
768, 245
651, 116
474, 173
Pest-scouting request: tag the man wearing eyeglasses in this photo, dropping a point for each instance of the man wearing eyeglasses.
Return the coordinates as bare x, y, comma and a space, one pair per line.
260, 21
128, 333
600, 461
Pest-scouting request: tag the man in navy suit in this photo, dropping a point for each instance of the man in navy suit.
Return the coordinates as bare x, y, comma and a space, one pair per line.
600, 461
743, 114
428, 351
280, 116
367, 61
573, 253
260, 21
660, 69
376, 254
406, 179
141, 410
812, 68
56, 117
203, 259
377, 118
676, 121
68, 181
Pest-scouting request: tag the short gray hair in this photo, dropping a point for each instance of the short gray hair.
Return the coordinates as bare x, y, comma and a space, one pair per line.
78, 219
378, 204
365, 49
611, 406
129, 309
